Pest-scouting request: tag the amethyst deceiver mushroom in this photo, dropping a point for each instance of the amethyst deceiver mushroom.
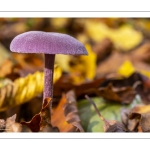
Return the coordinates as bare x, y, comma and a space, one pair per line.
49, 43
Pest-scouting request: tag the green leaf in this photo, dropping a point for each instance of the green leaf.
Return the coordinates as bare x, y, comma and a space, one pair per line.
110, 111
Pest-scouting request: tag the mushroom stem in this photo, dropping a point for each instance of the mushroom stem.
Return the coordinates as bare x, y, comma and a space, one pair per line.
48, 76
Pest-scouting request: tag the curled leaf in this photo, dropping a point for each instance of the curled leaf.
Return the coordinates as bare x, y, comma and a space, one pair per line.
141, 113
42, 120
24, 89
66, 116
10, 125
123, 95
144, 120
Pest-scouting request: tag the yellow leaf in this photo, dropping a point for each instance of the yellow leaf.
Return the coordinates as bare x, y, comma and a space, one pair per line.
24, 89
63, 61
84, 67
146, 73
126, 69
124, 37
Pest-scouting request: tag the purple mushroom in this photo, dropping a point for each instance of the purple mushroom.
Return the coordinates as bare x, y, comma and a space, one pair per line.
49, 43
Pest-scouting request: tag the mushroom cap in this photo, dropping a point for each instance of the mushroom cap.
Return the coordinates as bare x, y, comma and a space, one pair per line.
48, 43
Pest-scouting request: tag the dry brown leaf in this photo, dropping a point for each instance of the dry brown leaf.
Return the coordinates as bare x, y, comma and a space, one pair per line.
141, 113
10, 125
6, 64
64, 85
2, 125
66, 117
131, 125
115, 126
42, 121
144, 121
124, 95
103, 49
111, 63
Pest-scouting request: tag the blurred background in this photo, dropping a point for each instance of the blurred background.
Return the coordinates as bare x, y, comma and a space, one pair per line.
110, 42
115, 46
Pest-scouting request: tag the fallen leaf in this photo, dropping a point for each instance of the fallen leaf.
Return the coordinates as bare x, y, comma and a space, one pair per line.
34, 124
144, 120
10, 125
24, 89
103, 49
91, 122
65, 116
126, 69
42, 120
64, 85
110, 64
109, 125
2, 125
79, 64
124, 37
131, 124
124, 95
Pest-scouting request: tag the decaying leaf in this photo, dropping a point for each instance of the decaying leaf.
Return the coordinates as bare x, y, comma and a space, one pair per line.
124, 95
115, 126
34, 124
131, 124
42, 121
64, 85
66, 116
143, 120
2, 125
139, 116
24, 89
10, 125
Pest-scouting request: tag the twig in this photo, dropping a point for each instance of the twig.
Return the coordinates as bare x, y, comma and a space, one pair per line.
99, 114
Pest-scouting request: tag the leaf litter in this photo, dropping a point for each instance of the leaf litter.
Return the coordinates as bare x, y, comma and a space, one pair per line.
115, 76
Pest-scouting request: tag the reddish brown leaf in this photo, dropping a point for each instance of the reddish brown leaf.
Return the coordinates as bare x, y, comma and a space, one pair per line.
42, 120
124, 95
64, 84
34, 124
